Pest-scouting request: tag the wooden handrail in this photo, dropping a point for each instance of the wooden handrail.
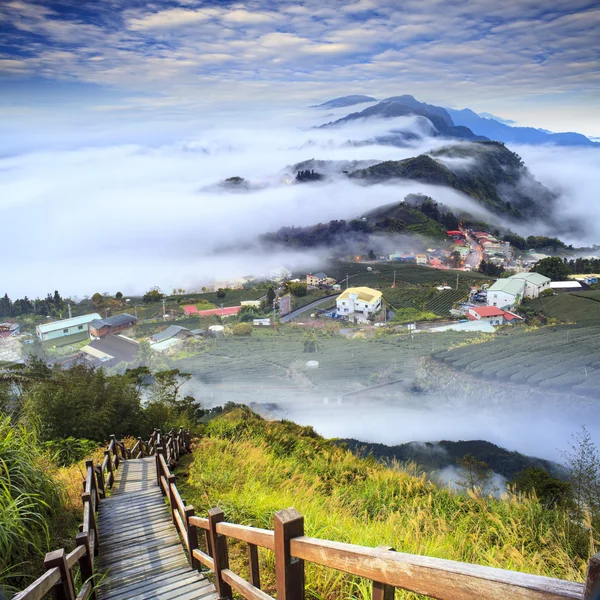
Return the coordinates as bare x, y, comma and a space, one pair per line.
41, 586
264, 538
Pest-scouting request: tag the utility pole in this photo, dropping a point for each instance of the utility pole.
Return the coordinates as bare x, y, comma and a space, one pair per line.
457, 276
346, 280
163, 308
69, 307
394, 284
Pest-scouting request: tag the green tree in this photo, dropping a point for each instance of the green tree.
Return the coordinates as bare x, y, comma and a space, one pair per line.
553, 267
474, 475
119, 295
550, 491
97, 298
270, 297
297, 289
153, 295
310, 340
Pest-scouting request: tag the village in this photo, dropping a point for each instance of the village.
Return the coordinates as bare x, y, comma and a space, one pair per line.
433, 291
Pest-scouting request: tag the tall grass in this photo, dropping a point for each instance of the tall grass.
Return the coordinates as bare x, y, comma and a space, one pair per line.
252, 468
40, 504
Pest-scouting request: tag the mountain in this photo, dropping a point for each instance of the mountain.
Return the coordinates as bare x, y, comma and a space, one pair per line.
502, 132
488, 172
403, 106
435, 456
486, 115
345, 101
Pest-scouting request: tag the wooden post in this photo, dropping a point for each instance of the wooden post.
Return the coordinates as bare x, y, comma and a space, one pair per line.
220, 555
141, 443
381, 591
172, 501
253, 565
289, 571
86, 497
86, 563
110, 468
65, 588
89, 464
592, 582
115, 446
100, 480
159, 451
192, 537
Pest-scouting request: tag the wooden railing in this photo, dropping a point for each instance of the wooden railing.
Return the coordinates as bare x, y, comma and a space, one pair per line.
59, 579
388, 570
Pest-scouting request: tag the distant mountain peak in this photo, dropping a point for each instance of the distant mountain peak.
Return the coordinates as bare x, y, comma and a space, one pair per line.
344, 101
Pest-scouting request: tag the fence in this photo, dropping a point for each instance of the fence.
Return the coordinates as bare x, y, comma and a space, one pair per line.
388, 570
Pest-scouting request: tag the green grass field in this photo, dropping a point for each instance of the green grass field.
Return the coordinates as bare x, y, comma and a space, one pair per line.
581, 308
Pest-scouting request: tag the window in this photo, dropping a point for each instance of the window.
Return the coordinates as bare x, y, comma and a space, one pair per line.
65, 331
80, 327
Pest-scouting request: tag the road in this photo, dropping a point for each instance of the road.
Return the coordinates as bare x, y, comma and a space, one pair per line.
476, 255
290, 316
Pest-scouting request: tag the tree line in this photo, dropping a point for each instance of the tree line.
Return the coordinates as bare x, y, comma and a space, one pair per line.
52, 305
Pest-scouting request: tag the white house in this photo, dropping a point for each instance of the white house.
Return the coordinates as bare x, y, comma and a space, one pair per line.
66, 331
358, 302
535, 283
506, 293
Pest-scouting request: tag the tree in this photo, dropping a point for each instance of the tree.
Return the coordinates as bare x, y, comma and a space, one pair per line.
297, 289
310, 340
270, 297
167, 385
97, 298
372, 254
474, 475
455, 258
153, 295
118, 295
583, 464
553, 267
221, 293
549, 490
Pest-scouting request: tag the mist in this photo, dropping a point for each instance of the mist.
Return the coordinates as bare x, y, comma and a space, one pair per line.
116, 206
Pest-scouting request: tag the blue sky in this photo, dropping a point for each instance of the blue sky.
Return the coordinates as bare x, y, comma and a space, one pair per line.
534, 62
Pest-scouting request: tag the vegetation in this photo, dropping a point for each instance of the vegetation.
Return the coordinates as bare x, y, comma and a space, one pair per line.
243, 329
553, 267
410, 315
153, 295
52, 305
252, 468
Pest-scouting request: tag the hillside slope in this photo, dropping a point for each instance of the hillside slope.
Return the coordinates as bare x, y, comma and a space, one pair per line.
253, 468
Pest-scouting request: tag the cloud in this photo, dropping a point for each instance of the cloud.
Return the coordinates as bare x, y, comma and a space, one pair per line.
174, 17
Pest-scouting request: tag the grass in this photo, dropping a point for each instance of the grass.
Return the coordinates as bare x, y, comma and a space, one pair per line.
252, 468
581, 308
40, 505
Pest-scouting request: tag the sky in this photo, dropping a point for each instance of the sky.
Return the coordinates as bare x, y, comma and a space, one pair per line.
77, 62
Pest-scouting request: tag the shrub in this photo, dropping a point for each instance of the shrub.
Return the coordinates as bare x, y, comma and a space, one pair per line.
242, 329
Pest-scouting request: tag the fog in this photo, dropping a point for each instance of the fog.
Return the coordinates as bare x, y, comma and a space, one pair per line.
122, 206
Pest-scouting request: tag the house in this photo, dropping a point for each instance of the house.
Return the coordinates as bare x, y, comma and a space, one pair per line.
66, 331
110, 350
565, 286
9, 329
317, 279
251, 303
535, 283
111, 325
421, 259
358, 301
492, 315
506, 293
172, 331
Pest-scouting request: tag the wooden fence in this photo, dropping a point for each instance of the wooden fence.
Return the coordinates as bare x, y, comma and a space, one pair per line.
387, 569
58, 578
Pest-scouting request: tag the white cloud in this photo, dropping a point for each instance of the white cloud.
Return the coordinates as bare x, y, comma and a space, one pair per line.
174, 17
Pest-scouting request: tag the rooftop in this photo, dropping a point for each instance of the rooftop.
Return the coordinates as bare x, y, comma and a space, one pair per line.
320, 275
534, 278
508, 285
169, 332
364, 294
488, 311
115, 321
66, 323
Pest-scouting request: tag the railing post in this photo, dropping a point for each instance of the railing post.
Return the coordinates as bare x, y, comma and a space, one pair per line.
192, 536
89, 464
289, 571
220, 556
100, 480
381, 591
65, 588
172, 502
113, 443
159, 451
253, 565
86, 563
592, 582
87, 497
141, 443
110, 467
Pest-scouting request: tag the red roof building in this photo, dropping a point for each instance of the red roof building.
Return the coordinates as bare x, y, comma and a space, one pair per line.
493, 315
227, 311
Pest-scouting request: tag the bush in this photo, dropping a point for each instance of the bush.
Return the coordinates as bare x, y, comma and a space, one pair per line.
242, 329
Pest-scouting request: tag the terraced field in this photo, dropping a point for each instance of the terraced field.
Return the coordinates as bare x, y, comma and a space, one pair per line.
269, 359
581, 308
563, 358
427, 299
